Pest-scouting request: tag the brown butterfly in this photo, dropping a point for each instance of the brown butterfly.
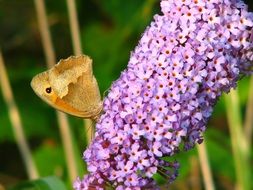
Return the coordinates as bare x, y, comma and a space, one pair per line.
70, 87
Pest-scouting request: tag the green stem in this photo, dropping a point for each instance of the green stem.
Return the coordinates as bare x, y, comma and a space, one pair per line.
15, 119
240, 147
205, 167
249, 115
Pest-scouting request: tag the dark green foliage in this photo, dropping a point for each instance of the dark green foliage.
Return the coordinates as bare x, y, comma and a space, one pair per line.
48, 183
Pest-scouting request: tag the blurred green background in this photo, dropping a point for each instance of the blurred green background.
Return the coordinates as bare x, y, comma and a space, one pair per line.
110, 30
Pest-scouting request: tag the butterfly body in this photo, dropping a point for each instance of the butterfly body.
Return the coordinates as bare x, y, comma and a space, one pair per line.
70, 87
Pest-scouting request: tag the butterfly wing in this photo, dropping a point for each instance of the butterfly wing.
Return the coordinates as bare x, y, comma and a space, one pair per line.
67, 71
77, 89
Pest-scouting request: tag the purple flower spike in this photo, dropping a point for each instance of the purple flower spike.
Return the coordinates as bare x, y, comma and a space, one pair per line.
186, 58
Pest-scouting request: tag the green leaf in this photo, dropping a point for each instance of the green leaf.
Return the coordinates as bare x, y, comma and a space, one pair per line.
53, 153
47, 183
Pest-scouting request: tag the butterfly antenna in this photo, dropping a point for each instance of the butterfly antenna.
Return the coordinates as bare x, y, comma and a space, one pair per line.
105, 93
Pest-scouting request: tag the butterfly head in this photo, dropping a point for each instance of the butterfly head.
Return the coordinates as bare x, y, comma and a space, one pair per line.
42, 87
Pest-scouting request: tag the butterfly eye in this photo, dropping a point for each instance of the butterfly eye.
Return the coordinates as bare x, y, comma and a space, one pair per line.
48, 90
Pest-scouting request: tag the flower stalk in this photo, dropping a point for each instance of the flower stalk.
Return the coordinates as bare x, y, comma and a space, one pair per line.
239, 143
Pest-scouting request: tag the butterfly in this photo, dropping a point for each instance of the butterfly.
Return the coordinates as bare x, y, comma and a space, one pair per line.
71, 87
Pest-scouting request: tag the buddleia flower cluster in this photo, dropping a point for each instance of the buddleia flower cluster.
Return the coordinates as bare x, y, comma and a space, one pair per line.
186, 58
